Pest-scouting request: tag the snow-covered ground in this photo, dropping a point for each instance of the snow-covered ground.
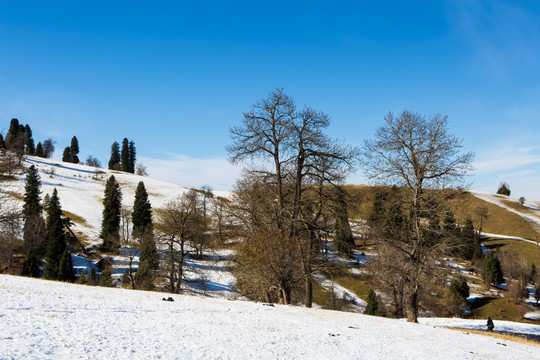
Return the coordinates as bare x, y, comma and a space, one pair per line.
49, 320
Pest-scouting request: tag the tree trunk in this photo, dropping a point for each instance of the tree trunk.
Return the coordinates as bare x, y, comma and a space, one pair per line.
412, 308
308, 302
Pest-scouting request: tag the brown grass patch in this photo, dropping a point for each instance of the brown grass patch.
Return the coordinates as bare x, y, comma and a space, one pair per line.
509, 337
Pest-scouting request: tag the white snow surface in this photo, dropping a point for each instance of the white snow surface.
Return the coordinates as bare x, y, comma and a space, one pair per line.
50, 320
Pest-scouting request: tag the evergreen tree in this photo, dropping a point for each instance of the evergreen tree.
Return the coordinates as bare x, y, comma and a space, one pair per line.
142, 212
65, 269
143, 231
66, 156
2, 142
31, 264
29, 147
491, 269
372, 307
504, 189
93, 277
74, 149
344, 239
110, 225
106, 277
39, 150
34, 233
32, 205
58, 267
11, 137
132, 157
114, 162
124, 156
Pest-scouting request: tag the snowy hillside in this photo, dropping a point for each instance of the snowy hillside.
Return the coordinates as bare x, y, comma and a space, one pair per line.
81, 188
49, 320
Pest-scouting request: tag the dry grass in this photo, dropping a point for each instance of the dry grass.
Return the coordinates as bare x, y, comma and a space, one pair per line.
79, 220
521, 249
503, 336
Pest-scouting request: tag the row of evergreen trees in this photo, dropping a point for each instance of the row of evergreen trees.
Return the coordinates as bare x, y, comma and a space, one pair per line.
44, 238
18, 139
125, 159
142, 230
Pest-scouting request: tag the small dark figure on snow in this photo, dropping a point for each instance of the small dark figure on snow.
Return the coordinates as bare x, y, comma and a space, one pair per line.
490, 325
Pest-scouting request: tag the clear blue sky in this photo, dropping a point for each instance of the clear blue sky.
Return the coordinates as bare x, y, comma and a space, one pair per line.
174, 76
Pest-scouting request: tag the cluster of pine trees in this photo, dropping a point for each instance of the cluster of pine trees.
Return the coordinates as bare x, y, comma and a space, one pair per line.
18, 139
125, 159
44, 239
71, 152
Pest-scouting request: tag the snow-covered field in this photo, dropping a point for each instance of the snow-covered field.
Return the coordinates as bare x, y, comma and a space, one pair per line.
49, 320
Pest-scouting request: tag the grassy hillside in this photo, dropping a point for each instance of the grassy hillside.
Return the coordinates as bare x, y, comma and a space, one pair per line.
463, 204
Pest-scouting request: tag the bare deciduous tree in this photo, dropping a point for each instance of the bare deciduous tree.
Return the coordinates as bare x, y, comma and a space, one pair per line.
177, 226
416, 153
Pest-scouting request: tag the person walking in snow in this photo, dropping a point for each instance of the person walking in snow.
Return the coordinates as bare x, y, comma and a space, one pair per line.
489, 324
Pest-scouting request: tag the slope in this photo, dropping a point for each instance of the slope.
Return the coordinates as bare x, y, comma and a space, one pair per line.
46, 320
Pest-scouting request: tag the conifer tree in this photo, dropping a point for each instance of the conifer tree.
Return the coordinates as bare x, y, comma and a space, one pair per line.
58, 266
39, 150
114, 162
344, 239
29, 147
32, 205
74, 149
124, 156
65, 269
31, 264
11, 136
143, 231
491, 269
66, 156
106, 277
132, 157
372, 307
34, 234
2, 142
110, 225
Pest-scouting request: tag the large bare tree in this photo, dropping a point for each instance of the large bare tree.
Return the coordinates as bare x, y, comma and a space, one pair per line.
290, 155
415, 152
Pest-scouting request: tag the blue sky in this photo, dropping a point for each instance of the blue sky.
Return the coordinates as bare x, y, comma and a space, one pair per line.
175, 76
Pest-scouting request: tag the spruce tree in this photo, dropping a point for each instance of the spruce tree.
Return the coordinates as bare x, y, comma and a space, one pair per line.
32, 205
39, 150
66, 156
124, 156
491, 269
65, 269
143, 231
11, 137
31, 264
344, 239
34, 228
58, 267
114, 161
110, 225
372, 307
132, 157
29, 147
74, 149
106, 277
2, 142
